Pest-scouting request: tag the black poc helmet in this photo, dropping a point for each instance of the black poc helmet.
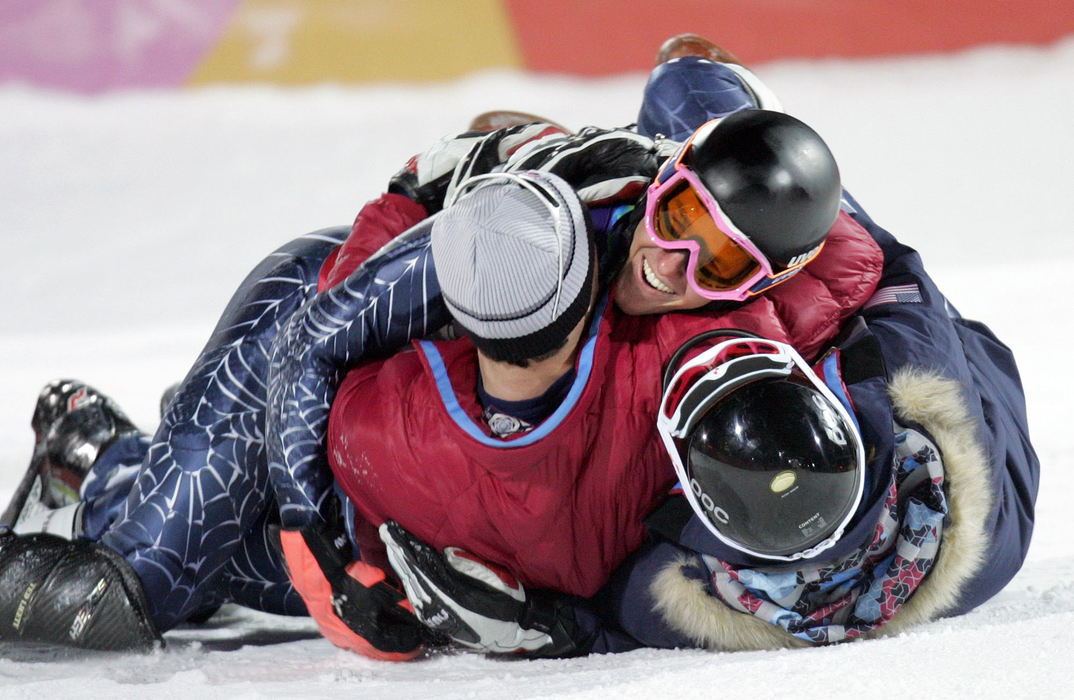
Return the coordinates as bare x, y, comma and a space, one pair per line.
773, 462
773, 176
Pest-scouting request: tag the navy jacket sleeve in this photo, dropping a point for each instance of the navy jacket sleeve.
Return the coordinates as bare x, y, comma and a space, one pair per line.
390, 299
917, 325
622, 616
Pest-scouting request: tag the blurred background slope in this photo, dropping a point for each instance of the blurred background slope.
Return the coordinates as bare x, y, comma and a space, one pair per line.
88, 46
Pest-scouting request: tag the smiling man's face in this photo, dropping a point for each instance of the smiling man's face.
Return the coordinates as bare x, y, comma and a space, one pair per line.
653, 280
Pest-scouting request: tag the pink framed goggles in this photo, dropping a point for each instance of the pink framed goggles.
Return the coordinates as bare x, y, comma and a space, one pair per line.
723, 264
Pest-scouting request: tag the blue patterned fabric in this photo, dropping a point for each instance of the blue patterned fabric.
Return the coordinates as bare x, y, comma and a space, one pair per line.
194, 523
391, 299
843, 599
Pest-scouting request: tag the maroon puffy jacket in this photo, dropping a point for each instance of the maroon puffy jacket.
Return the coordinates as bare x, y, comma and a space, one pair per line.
562, 506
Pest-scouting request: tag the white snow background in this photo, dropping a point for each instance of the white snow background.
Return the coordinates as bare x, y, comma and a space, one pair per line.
128, 220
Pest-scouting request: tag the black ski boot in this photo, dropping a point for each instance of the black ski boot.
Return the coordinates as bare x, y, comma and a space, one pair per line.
73, 424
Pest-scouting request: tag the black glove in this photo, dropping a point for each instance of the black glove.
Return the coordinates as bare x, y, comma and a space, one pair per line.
606, 167
352, 603
475, 604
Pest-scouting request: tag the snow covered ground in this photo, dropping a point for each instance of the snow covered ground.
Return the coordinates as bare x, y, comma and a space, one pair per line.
127, 220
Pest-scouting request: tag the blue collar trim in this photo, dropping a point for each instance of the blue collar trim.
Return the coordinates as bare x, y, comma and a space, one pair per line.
463, 420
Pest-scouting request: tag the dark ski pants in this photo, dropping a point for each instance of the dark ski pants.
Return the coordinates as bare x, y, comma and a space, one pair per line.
194, 522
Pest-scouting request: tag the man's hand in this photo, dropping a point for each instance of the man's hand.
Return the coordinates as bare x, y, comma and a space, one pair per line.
474, 603
353, 605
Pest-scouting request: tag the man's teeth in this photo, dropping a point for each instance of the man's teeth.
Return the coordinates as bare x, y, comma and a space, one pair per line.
652, 279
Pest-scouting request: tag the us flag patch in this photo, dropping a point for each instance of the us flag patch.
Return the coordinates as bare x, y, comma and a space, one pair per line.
898, 294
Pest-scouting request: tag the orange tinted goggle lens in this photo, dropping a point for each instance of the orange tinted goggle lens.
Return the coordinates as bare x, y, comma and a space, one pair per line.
721, 264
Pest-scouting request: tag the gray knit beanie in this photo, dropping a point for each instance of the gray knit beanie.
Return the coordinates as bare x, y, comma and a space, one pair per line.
514, 259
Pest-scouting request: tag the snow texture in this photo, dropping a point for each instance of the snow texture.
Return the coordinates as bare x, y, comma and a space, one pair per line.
129, 219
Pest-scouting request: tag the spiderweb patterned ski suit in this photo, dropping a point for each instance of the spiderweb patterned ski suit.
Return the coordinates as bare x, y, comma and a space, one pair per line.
194, 524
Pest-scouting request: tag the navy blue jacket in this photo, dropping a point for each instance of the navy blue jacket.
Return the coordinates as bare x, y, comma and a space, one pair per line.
928, 367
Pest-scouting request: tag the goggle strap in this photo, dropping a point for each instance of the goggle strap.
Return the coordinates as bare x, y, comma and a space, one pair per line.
726, 378
707, 358
676, 358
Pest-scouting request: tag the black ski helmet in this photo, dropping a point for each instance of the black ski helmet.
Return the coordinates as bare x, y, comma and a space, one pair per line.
773, 176
774, 463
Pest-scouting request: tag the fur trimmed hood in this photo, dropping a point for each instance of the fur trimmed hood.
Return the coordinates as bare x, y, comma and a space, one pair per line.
938, 405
